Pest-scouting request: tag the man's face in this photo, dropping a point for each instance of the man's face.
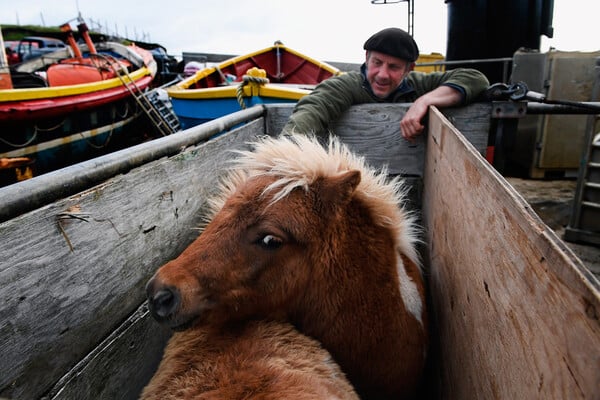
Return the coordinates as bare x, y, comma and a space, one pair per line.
385, 73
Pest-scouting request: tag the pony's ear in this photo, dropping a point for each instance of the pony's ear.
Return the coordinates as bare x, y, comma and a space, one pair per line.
338, 189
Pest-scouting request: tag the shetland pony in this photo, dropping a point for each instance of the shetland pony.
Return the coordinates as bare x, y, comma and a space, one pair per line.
311, 235
255, 360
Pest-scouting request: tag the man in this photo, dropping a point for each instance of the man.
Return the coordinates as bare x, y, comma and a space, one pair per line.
386, 76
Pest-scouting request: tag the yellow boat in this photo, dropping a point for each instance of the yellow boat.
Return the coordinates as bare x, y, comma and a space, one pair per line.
276, 74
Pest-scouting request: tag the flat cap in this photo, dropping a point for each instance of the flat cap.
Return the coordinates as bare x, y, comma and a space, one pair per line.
394, 42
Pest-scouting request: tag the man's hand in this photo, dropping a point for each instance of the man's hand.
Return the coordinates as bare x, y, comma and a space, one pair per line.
412, 125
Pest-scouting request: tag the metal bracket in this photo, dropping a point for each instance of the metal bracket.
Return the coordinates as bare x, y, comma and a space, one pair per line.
509, 109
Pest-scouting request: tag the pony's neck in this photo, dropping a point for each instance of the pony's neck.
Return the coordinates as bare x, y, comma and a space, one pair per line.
373, 297
364, 320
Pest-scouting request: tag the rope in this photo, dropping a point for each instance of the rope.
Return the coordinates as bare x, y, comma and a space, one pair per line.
27, 143
36, 129
114, 114
126, 112
99, 146
55, 127
240, 89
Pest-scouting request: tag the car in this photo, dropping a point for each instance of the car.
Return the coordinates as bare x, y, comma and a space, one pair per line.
35, 46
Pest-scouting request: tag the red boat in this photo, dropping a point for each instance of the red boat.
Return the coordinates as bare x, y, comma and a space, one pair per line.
66, 104
276, 74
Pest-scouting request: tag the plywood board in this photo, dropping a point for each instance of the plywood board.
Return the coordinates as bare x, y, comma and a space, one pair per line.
516, 313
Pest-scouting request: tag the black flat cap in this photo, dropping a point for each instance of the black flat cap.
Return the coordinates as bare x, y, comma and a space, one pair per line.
394, 42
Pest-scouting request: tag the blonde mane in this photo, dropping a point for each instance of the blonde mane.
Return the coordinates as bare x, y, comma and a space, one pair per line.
299, 160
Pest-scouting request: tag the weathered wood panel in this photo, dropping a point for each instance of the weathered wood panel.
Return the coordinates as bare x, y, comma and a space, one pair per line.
46, 188
75, 269
120, 366
516, 313
373, 130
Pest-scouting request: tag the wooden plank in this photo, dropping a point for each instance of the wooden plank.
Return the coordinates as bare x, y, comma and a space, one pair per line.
121, 366
75, 269
373, 130
515, 311
44, 189
473, 122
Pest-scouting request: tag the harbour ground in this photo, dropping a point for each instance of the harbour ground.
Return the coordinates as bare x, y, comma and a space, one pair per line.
552, 200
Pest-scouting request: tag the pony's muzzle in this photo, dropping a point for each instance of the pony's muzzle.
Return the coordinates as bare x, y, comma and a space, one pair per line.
162, 301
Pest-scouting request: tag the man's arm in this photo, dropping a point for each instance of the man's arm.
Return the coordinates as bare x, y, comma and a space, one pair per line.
444, 96
314, 112
441, 89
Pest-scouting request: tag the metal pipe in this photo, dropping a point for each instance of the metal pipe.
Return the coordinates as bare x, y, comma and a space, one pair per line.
279, 75
71, 39
438, 64
33, 193
589, 107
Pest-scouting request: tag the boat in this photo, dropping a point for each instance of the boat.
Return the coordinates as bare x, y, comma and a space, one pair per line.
275, 74
514, 312
71, 104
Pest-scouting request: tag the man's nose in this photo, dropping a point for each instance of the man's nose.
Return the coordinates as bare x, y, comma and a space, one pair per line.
383, 71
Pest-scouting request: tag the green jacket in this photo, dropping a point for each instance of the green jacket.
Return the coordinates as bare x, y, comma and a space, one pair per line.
332, 97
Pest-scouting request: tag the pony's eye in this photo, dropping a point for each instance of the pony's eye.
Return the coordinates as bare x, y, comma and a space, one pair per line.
271, 242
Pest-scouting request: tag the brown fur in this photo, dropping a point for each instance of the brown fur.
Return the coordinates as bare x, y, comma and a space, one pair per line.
314, 236
257, 360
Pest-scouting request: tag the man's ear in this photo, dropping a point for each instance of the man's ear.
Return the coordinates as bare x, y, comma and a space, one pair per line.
411, 67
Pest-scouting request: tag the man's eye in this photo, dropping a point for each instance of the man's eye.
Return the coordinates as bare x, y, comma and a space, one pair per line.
270, 242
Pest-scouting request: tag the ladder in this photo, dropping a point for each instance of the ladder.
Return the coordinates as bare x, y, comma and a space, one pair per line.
584, 225
164, 108
162, 116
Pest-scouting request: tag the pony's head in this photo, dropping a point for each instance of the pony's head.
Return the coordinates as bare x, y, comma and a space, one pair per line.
291, 215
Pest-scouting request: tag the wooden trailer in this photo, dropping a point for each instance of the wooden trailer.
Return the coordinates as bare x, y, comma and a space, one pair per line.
515, 314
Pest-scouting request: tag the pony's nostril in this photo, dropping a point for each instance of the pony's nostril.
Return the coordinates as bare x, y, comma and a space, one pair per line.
165, 302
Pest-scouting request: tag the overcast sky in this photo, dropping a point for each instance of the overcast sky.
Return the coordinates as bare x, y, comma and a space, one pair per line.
329, 30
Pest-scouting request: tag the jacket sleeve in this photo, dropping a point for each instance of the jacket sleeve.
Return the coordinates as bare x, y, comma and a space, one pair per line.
470, 81
325, 104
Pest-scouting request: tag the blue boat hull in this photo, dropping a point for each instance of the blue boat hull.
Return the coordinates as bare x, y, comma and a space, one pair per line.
197, 111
